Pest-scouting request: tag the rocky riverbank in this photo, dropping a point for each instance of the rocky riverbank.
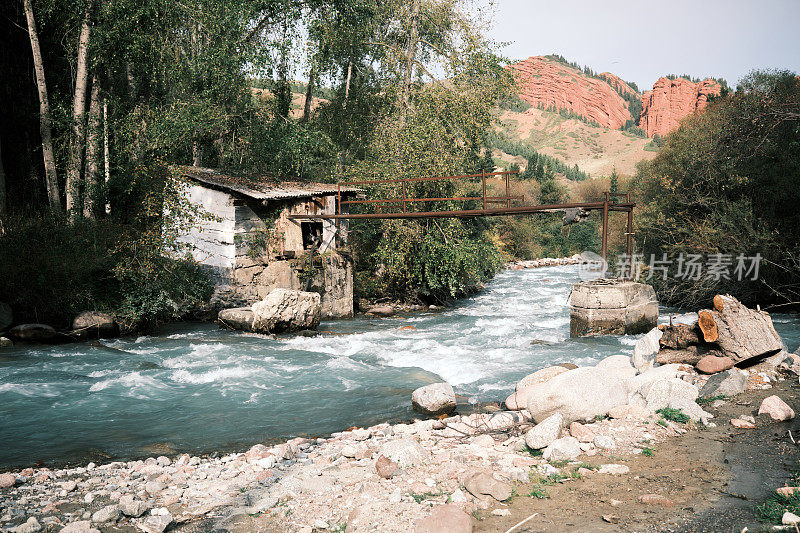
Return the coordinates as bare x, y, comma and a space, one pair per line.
429, 475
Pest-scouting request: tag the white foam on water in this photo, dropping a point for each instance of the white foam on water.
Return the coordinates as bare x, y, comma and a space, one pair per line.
229, 375
31, 390
132, 384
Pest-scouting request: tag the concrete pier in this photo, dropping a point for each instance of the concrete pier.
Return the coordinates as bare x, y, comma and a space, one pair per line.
612, 307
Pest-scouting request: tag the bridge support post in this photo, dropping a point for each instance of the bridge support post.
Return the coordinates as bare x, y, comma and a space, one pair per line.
605, 226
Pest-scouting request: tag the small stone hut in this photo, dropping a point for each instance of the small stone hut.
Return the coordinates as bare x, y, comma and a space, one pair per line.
251, 246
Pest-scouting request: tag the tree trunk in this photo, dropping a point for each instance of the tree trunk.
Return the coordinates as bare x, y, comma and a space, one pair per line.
411, 54
92, 201
197, 154
106, 162
45, 130
309, 94
2, 184
347, 82
741, 333
78, 139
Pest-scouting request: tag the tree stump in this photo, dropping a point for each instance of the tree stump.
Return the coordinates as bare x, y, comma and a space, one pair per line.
741, 333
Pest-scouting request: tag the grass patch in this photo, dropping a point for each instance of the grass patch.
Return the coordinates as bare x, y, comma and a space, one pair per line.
598, 418
533, 453
662, 422
552, 479
773, 509
539, 493
648, 452
419, 498
559, 464
674, 415
589, 466
712, 399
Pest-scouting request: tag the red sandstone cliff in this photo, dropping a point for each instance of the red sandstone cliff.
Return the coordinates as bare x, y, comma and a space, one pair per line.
547, 82
618, 83
671, 100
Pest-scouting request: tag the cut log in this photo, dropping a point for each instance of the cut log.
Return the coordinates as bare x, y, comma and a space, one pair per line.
741, 333
668, 356
691, 355
708, 326
719, 303
679, 336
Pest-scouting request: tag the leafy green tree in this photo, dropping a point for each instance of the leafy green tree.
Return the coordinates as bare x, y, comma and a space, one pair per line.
725, 183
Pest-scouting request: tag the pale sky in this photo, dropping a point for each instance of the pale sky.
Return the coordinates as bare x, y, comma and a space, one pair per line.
642, 40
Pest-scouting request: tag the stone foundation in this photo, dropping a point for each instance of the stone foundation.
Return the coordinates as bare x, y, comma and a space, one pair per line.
612, 307
252, 281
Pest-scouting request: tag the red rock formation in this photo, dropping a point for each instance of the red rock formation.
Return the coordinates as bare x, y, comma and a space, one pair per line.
547, 82
618, 83
671, 100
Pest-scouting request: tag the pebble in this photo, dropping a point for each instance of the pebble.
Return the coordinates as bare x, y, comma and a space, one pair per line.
7, 480
656, 499
790, 519
604, 442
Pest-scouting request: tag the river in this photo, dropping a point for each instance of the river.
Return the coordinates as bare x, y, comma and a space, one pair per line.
197, 388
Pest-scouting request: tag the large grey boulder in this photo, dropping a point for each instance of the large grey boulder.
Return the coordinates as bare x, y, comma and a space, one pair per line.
94, 324
646, 349
434, 399
287, 310
518, 400
544, 433
33, 333
659, 394
405, 452
728, 383
563, 449
582, 393
240, 318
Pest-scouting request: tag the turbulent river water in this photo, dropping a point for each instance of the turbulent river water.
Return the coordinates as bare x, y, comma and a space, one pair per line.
197, 388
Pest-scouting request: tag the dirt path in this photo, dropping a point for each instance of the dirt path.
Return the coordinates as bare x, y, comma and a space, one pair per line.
713, 479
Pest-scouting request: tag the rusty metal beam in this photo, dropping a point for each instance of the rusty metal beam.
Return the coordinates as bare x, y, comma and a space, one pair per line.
468, 213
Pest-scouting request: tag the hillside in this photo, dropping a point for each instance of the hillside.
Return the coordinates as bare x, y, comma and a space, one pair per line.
597, 121
594, 149
549, 83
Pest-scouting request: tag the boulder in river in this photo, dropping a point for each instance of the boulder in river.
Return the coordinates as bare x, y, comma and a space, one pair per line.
33, 333
240, 318
434, 399
94, 324
287, 310
381, 311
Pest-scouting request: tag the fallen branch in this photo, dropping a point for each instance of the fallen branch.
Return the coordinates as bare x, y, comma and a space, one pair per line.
515, 526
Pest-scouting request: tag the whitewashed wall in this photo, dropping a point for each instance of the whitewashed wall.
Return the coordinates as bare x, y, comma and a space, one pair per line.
212, 241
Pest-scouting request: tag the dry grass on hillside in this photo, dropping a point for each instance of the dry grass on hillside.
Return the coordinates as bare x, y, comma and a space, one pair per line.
596, 150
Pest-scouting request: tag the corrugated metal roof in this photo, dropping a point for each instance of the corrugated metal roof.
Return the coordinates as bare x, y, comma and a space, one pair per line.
260, 188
